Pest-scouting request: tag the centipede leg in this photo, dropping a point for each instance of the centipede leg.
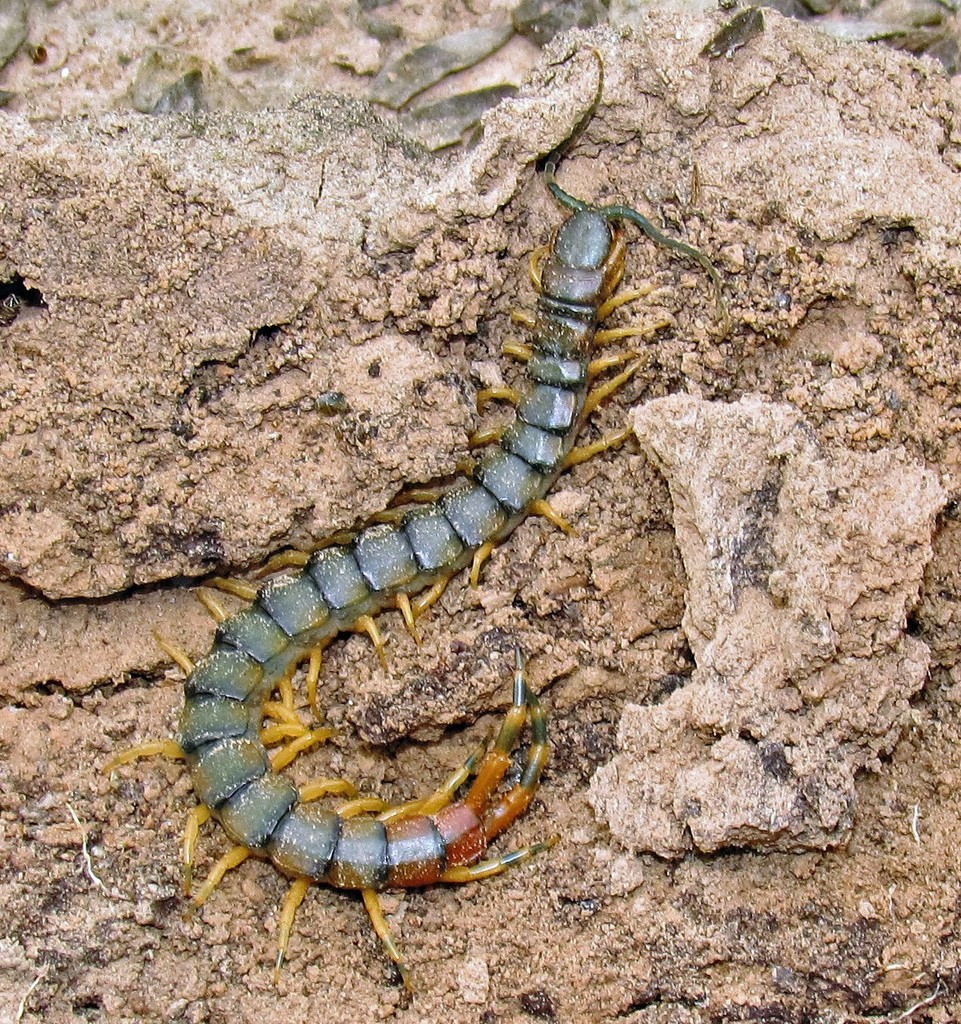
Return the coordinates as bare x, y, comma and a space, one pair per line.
284, 560
326, 787
177, 654
377, 919
216, 610
519, 349
536, 264
643, 291
239, 588
495, 865
444, 793
233, 858
402, 601
310, 738
480, 557
513, 804
431, 596
608, 388
164, 748
598, 366
313, 677
292, 901
497, 760
500, 393
581, 454
199, 816
362, 805
365, 624
542, 507
486, 436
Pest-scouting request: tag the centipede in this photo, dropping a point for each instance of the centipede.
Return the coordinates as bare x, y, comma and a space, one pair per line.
239, 728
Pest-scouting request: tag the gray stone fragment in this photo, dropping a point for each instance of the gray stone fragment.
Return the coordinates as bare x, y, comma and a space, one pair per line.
541, 20
13, 28
418, 69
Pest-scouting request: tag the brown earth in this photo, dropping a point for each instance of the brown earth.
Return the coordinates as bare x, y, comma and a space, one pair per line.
771, 569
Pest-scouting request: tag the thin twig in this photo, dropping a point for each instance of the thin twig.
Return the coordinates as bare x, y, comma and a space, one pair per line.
88, 862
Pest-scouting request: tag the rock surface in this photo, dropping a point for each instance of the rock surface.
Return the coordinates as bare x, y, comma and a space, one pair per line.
241, 331
803, 563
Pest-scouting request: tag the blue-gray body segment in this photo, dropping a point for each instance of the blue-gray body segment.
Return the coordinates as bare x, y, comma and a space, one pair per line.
559, 373
538, 448
224, 672
294, 603
360, 860
549, 408
251, 815
254, 632
220, 769
475, 514
304, 841
336, 572
509, 478
432, 538
206, 718
583, 241
385, 557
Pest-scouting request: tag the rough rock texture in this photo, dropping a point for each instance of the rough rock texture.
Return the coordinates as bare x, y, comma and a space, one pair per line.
191, 290
803, 562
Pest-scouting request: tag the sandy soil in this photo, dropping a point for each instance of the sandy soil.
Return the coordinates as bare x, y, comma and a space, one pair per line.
192, 287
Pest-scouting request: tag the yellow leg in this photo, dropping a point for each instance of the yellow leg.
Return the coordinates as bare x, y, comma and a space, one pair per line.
420, 495
500, 393
365, 624
362, 805
282, 731
600, 393
293, 899
517, 349
487, 868
176, 653
326, 787
282, 713
239, 588
616, 333
480, 557
309, 739
217, 611
430, 597
283, 560
629, 295
313, 677
377, 919
404, 607
444, 793
392, 516
486, 436
536, 261
578, 455
543, 508
200, 815
166, 748
598, 366
233, 858
286, 689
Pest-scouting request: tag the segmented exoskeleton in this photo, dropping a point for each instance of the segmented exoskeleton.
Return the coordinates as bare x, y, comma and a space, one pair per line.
339, 587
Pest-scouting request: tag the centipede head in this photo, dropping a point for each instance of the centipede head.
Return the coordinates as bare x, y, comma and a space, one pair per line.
585, 260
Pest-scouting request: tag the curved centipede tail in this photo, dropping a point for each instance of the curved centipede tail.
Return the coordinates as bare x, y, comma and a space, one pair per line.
513, 804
